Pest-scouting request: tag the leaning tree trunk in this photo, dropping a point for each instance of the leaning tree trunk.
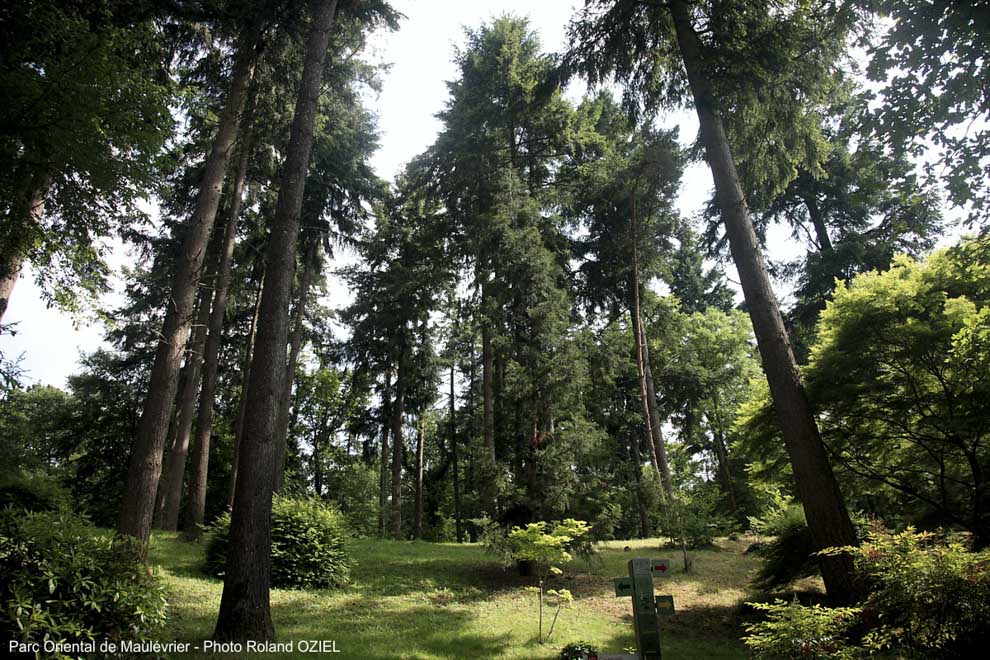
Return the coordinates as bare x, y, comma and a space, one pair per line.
644, 395
175, 464
824, 507
242, 408
295, 346
145, 465
196, 495
245, 611
20, 226
397, 446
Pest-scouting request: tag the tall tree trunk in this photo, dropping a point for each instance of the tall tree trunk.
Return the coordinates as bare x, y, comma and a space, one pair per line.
383, 481
818, 222
487, 488
723, 467
145, 465
244, 606
824, 507
175, 466
295, 346
196, 495
397, 446
458, 531
656, 426
418, 516
21, 225
645, 529
641, 375
242, 407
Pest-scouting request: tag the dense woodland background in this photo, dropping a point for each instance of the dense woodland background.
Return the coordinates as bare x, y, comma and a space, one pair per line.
536, 332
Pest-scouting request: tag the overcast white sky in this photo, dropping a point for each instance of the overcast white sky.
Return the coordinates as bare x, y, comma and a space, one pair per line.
414, 91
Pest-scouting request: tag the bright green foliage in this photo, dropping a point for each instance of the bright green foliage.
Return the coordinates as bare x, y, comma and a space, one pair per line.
792, 630
691, 517
308, 539
899, 375
533, 543
60, 580
929, 597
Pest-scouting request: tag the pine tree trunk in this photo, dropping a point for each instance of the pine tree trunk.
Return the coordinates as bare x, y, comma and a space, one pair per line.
295, 345
175, 466
196, 495
418, 517
458, 531
397, 446
20, 227
242, 408
244, 605
828, 519
656, 426
145, 465
383, 481
641, 375
487, 489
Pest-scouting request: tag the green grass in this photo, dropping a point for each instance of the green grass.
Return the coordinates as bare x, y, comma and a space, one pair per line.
427, 600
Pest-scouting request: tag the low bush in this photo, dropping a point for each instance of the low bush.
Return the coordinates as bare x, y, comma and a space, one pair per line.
790, 554
60, 580
308, 538
792, 630
927, 598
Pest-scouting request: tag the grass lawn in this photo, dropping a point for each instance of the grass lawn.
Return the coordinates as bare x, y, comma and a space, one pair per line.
428, 600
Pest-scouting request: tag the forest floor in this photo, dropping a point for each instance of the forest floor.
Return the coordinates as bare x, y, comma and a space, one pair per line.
427, 600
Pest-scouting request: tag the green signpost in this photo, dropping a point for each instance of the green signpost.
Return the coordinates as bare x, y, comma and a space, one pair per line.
646, 606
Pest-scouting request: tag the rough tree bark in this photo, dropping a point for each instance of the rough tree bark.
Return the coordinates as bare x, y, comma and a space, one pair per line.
145, 464
196, 495
19, 226
245, 611
242, 408
175, 464
824, 507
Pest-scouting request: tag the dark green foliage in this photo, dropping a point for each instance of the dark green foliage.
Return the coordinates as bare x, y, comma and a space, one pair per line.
307, 545
577, 651
790, 555
32, 491
61, 581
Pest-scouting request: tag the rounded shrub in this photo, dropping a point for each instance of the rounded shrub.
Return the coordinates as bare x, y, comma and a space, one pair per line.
32, 491
308, 537
62, 581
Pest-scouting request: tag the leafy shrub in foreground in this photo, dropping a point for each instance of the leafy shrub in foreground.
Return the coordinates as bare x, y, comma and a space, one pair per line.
792, 630
62, 581
307, 544
32, 492
930, 599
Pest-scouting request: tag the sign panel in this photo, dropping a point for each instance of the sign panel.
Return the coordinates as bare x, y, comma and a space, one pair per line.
623, 586
661, 567
665, 605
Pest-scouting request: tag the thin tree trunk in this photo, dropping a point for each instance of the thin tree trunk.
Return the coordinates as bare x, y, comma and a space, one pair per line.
818, 222
383, 481
295, 346
245, 611
458, 531
196, 496
488, 391
175, 466
645, 529
723, 467
21, 225
418, 516
656, 426
641, 375
242, 408
825, 509
397, 446
145, 465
